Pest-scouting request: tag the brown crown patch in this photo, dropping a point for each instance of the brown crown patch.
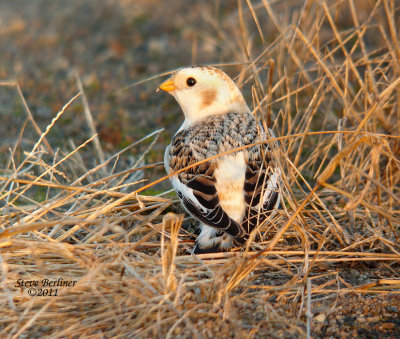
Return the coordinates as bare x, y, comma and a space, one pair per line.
213, 70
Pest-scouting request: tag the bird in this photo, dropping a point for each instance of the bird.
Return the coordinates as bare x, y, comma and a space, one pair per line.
234, 191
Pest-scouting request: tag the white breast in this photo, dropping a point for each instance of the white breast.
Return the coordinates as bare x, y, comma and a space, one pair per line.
230, 176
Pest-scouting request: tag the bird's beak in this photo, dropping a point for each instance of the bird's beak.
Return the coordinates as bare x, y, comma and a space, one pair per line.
166, 86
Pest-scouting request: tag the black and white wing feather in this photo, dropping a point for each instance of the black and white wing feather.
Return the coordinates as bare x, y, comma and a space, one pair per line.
261, 191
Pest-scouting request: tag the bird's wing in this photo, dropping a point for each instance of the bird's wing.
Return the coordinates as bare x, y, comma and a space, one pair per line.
196, 188
261, 191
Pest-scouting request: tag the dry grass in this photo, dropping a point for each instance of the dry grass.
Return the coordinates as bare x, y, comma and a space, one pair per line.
331, 90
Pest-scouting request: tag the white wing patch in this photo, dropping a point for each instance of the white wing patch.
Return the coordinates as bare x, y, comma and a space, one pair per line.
271, 187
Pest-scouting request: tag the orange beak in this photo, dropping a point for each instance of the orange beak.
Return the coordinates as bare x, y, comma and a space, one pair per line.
166, 86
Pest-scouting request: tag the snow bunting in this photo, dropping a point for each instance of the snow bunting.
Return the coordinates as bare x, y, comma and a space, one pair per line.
231, 194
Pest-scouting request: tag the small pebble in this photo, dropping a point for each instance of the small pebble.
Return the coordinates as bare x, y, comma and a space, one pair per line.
320, 318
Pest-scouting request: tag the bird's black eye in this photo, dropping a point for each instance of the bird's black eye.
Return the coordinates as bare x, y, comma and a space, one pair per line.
191, 82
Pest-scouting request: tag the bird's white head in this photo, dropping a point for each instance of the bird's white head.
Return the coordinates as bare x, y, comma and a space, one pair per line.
202, 91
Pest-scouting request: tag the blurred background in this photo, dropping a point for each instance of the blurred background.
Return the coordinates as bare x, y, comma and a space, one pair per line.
109, 45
